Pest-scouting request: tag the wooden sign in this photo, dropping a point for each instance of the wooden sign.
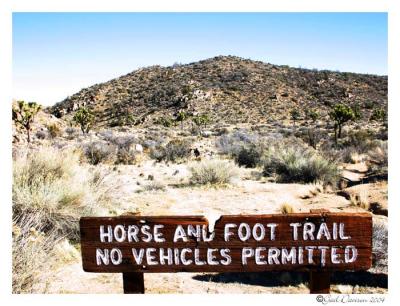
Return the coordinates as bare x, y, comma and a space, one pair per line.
316, 241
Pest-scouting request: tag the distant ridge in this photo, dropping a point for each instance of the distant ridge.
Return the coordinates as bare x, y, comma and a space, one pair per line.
229, 89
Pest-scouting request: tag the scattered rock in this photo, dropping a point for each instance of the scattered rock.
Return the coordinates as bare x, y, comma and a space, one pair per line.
138, 148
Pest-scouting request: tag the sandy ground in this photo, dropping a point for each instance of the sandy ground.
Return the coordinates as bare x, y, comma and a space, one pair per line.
247, 195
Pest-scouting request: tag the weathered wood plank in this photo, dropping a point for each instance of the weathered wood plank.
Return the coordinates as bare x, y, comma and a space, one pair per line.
357, 228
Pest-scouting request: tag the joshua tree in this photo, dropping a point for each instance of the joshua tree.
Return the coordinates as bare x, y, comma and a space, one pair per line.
84, 118
181, 116
24, 115
201, 120
341, 114
294, 115
312, 115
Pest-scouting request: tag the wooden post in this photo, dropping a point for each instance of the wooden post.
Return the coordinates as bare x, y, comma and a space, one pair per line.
320, 282
133, 282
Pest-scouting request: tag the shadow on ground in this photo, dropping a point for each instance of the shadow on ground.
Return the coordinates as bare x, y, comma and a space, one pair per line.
276, 279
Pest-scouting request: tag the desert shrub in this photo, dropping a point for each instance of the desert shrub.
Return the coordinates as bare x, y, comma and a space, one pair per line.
54, 130
154, 186
291, 164
341, 153
378, 158
349, 155
99, 152
231, 143
158, 153
213, 172
248, 156
173, 151
360, 199
107, 135
50, 192
123, 142
148, 144
379, 114
126, 156
41, 134
164, 121
380, 246
32, 258
246, 149
361, 140
313, 137
71, 132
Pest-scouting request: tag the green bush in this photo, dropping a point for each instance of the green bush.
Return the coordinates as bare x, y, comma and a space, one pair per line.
213, 172
164, 121
295, 164
378, 114
175, 150
248, 156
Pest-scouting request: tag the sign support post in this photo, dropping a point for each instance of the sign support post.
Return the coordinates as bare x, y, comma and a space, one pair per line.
320, 282
133, 282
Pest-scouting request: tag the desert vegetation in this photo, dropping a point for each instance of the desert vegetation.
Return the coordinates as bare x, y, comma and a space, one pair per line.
51, 191
194, 139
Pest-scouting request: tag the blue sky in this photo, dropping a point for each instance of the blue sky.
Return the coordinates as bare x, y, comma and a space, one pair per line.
57, 54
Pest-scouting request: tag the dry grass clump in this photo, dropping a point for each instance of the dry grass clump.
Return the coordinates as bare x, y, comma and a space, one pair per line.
51, 191
213, 172
350, 155
32, 258
286, 208
71, 132
51, 187
360, 199
127, 156
298, 164
54, 130
154, 186
378, 158
380, 246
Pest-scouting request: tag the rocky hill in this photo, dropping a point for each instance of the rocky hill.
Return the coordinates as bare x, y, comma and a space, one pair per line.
228, 89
